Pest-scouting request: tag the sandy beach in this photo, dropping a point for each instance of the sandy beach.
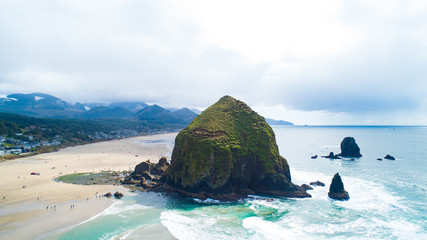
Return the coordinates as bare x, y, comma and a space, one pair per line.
34, 205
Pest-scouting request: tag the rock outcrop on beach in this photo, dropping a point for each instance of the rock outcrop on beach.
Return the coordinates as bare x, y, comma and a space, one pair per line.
336, 190
118, 195
349, 148
228, 152
148, 175
143, 167
151, 170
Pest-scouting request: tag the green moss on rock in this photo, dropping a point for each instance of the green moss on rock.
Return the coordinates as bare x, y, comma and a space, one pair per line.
229, 151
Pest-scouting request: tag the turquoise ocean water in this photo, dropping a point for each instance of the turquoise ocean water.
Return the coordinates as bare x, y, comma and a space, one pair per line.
388, 199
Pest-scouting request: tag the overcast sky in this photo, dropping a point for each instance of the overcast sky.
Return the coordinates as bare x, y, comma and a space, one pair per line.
309, 62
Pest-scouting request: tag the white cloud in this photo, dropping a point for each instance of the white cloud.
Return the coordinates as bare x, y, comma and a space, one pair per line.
331, 60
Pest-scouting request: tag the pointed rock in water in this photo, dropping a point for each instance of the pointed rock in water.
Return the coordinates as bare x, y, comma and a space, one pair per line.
336, 190
228, 152
349, 148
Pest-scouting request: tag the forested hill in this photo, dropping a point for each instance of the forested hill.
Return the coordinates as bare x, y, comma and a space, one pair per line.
77, 131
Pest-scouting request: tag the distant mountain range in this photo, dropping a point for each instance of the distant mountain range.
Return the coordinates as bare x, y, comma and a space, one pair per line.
43, 105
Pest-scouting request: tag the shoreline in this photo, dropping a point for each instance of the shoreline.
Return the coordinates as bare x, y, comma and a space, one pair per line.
60, 147
25, 197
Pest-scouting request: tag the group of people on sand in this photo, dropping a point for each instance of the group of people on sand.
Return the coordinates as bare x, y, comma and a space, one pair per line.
71, 206
51, 207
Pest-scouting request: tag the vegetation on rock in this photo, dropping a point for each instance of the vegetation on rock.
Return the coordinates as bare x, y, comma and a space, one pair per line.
229, 151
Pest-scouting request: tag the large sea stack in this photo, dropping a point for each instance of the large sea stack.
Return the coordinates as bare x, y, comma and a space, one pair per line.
228, 152
349, 148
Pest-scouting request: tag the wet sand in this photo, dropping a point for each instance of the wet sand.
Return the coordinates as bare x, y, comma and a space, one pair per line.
24, 197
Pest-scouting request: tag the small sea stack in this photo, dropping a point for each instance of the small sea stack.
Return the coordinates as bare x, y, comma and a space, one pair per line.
336, 190
331, 156
349, 148
389, 157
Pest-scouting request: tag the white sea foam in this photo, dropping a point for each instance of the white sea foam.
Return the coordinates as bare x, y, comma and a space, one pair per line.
116, 208
364, 194
185, 227
180, 226
207, 200
402, 229
268, 230
122, 236
121, 207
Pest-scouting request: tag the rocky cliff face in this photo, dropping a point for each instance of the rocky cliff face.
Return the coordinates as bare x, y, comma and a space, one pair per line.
227, 152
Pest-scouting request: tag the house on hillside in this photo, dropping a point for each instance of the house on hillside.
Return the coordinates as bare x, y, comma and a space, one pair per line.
15, 151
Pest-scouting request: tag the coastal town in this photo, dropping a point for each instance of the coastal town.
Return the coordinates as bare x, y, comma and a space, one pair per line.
21, 144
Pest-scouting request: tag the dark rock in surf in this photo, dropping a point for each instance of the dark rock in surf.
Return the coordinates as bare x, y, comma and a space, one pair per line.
349, 148
306, 187
317, 183
332, 156
388, 157
314, 157
336, 189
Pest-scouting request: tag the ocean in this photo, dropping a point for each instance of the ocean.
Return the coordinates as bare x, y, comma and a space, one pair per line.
388, 199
